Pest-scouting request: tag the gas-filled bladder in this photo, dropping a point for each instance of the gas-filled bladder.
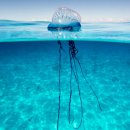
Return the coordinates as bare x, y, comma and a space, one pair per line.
65, 19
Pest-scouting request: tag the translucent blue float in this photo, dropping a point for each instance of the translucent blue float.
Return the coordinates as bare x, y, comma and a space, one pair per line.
65, 19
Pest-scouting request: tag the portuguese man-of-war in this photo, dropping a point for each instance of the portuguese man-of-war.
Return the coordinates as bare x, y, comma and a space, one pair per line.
65, 19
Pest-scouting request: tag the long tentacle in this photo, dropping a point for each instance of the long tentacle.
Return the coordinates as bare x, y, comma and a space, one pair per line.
72, 52
60, 47
73, 59
88, 83
70, 86
81, 104
75, 51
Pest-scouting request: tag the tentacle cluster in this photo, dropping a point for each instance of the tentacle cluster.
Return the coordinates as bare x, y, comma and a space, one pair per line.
72, 54
74, 61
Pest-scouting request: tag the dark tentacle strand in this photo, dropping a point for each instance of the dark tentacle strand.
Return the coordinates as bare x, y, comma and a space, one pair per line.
74, 61
60, 48
72, 53
71, 43
70, 87
88, 83
59, 42
81, 104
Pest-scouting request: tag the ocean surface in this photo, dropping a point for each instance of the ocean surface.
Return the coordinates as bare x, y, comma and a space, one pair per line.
29, 77
37, 31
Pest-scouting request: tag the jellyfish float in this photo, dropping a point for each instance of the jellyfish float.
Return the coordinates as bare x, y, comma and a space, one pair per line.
65, 19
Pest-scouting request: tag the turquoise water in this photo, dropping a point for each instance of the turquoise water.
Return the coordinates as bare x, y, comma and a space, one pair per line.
29, 86
29, 57
37, 31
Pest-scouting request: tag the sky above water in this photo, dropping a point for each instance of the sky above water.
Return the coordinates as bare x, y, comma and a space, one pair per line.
90, 10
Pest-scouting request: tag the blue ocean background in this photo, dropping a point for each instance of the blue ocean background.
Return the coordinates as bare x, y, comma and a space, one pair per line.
29, 79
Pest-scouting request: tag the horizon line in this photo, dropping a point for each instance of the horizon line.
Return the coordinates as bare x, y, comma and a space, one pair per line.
83, 21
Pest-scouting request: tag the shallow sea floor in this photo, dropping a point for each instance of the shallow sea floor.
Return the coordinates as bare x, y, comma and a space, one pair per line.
29, 86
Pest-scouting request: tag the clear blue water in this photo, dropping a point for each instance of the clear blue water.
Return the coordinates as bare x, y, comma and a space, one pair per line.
37, 31
29, 82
